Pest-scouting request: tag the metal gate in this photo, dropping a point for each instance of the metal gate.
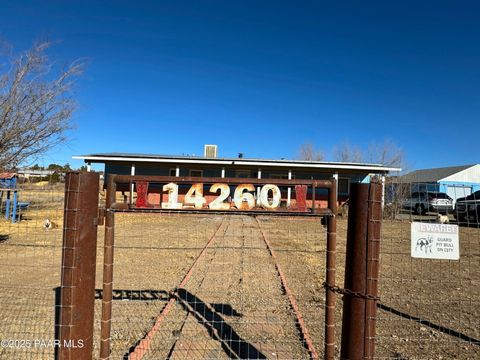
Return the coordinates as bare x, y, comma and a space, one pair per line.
212, 268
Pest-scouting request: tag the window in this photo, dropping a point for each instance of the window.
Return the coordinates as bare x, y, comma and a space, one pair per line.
278, 176
440, 196
196, 173
172, 172
474, 196
343, 186
243, 173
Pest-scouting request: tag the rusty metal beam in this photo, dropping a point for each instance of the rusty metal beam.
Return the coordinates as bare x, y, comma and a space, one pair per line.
126, 179
319, 212
78, 266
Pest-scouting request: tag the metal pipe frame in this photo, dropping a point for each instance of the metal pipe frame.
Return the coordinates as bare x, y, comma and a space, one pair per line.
112, 207
330, 297
106, 322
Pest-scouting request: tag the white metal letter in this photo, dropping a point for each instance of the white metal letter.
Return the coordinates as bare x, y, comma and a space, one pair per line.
275, 200
172, 202
244, 200
195, 196
219, 203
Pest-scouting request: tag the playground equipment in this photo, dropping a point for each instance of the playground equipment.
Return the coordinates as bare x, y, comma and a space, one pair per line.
8, 185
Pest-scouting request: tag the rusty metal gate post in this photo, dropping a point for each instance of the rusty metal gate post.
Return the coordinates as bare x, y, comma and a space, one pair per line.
107, 293
361, 271
330, 272
77, 293
373, 265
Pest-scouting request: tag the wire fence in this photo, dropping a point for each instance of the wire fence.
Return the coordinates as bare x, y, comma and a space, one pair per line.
429, 307
30, 261
233, 286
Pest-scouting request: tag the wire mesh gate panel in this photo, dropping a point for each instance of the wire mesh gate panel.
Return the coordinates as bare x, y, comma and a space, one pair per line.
233, 303
194, 285
429, 307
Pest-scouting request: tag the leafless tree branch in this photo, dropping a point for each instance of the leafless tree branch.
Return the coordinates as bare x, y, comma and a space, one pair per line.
345, 152
35, 106
308, 152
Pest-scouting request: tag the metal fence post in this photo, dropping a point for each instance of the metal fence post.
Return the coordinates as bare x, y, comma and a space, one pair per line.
361, 271
375, 205
330, 272
78, 266
106, 324
353, 322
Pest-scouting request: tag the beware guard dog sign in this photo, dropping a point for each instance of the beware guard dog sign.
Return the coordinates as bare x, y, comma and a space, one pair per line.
434, 241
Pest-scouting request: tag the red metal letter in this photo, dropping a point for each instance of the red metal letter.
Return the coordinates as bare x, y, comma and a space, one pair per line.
301, 197
142, 195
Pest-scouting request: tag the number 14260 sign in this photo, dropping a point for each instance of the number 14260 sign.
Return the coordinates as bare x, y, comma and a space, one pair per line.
243, 197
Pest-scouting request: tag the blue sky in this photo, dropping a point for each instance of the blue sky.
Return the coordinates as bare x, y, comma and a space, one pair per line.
263, 77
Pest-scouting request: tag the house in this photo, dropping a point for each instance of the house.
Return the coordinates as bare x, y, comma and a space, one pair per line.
211, 166
456, 181
28, 174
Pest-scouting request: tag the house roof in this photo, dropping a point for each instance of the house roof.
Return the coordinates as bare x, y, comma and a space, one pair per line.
35, 172
151, 158
433, 175
7, 175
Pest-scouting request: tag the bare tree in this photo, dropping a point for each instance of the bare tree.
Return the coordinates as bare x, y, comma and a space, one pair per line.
345, 152
36, 106
308, 152
387, 154
390, 155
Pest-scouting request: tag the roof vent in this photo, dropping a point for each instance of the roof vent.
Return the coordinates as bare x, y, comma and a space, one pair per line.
240, 155
210, 151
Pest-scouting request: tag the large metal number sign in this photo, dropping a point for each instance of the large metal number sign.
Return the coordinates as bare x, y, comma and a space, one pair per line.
279, 196
243, 197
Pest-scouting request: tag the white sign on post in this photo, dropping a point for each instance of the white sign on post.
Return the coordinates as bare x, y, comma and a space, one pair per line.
435, 241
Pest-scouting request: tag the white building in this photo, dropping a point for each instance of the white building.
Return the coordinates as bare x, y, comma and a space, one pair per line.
456, 181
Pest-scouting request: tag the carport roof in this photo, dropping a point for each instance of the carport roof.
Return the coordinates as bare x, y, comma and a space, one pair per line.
433, 175
199, 160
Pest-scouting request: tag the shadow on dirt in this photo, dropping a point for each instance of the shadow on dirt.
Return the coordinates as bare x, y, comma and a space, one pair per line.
209, 315
430, 324
134, 295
